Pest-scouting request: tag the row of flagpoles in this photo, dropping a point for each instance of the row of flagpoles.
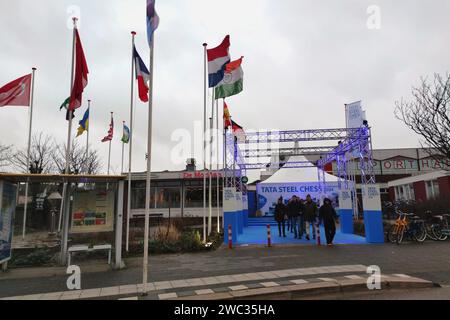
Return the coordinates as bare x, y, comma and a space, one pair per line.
223, 76
225, 79
20, 92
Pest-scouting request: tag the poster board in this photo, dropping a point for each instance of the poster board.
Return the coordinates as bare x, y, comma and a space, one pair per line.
8, 194
93, 211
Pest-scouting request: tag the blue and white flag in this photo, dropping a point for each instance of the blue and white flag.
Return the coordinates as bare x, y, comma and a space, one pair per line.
126, 134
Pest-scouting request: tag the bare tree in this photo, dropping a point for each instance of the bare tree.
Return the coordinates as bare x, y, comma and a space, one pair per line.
41, 155
428, 113
79, 164
6, 154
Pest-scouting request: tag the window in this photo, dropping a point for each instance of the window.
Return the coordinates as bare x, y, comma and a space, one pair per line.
194, 194
168, 197
138, 196
405, 192
432, 188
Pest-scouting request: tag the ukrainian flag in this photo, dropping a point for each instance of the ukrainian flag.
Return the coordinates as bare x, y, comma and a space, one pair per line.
84, 124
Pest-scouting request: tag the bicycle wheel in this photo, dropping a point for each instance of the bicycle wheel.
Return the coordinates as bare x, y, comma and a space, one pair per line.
392, 234
436, 229
400, 234
430, 233
420, 234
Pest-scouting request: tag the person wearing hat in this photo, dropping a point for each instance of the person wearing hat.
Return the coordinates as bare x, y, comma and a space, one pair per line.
328, 216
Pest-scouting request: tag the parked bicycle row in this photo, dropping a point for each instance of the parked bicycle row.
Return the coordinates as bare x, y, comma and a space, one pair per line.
409, 226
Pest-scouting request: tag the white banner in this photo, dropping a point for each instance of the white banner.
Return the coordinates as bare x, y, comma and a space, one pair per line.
239, 204
245, 202
345, 199
229, 200
354, 115
371, 197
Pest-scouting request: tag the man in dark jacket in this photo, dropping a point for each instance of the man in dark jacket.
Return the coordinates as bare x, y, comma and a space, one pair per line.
300, 220
328, 216
310, 216
280, 213
292, 215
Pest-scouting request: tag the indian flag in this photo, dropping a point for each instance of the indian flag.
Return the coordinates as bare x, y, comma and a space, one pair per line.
233, 81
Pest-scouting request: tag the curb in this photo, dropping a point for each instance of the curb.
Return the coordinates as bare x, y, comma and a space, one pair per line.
303, 290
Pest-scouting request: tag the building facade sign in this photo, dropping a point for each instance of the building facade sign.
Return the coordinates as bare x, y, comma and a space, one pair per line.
401, 166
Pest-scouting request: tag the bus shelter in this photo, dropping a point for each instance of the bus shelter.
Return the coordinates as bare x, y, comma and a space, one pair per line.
71, 212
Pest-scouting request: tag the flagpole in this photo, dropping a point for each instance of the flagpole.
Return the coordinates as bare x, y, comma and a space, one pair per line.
217, 166
123, 147
225, 164
28, 152
109, 151
204, 140
65, 211
87, 137
130, 143
211, 137
149, 170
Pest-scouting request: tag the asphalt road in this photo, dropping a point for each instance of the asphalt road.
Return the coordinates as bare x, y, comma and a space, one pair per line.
430, 261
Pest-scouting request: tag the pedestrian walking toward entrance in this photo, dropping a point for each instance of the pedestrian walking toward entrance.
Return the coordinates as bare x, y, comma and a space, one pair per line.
328, 216
280, 217
300, 219
310, 216
291, 210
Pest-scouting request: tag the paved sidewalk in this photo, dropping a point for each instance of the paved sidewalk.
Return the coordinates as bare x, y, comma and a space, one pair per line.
430, 261
222, 285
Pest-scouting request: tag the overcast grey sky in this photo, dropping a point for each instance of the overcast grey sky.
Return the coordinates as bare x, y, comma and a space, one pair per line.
304, 59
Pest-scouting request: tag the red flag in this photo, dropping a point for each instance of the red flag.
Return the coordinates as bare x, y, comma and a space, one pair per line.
109, 137
81, 75
237, 129
16, 93
226, 116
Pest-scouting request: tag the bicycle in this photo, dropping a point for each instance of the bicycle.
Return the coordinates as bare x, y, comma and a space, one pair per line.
438, 228
409, 225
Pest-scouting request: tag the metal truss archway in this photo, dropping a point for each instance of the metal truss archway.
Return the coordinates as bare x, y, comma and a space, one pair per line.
244, 153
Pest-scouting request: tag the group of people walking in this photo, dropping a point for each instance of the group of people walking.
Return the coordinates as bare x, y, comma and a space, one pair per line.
304, 217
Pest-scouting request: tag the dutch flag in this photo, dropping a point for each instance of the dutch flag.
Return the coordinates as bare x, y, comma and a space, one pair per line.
218, 58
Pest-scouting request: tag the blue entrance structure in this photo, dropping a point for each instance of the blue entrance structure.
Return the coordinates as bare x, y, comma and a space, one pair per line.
353, 143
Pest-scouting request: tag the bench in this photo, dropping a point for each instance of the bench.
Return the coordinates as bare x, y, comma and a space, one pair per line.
85, 248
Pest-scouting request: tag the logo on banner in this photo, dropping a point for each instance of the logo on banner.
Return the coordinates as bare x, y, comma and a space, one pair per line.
346, 195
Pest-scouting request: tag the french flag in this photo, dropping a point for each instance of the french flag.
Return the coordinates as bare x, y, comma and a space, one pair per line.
218, 58
142, 76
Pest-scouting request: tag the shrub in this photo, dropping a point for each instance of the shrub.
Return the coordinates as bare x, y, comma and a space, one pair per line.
39, 256
167, 234
191, 241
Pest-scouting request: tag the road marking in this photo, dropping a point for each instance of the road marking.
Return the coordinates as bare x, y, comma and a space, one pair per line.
400, 275
167, 296
204, 291
131, 298
270, 284
299, 281
237, 288
326, 279
353, 277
